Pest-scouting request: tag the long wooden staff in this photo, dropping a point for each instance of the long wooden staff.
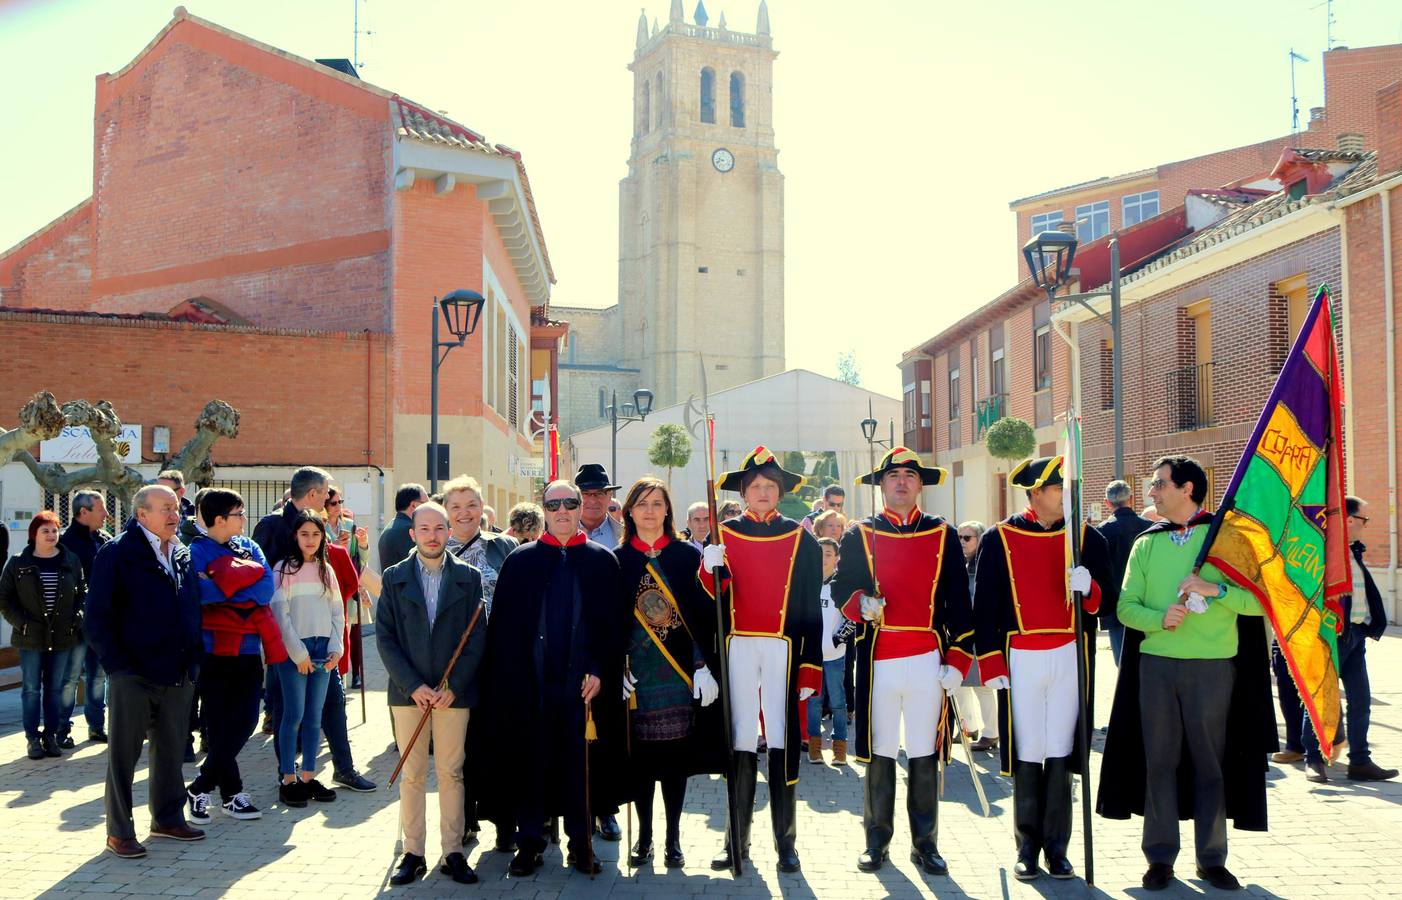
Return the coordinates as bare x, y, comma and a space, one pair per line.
628, 723
423, 720
360, 650
589, 735
1071, 465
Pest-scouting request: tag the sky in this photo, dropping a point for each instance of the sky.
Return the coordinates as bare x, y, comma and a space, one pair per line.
904, 127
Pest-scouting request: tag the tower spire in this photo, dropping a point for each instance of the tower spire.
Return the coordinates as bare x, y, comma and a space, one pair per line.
700, 14
676, 15
763, 26
642, 28
722, 20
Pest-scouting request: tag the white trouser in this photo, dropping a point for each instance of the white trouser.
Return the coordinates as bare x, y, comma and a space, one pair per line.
988, 711
970, 709
759, 681
907, 687
1044, 702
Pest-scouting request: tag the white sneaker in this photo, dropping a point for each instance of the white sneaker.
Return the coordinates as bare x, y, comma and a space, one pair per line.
240, 807
197, 808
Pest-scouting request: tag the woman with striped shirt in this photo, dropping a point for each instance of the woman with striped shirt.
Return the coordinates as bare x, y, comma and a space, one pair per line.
312, 617
41, 596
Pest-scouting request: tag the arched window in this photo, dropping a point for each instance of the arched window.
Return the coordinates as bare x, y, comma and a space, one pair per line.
661, 101
645, 119
737, 100
708, 95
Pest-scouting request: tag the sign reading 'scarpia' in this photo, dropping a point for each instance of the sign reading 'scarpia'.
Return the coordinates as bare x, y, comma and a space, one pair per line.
74, 445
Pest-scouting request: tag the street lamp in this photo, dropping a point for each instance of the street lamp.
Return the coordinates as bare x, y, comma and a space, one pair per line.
628, 412
1049, 257
461, 309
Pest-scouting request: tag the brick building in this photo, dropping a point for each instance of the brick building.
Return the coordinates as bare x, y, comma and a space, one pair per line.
302, 223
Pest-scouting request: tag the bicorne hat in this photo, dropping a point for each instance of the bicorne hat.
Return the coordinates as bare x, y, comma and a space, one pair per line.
1038, 472
760, 460
902, 458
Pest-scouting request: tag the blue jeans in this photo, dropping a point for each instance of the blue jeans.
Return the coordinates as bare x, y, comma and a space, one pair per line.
303, 697
1358, 701
836, 698
83, 663
333, 718
1117, 639
42, 677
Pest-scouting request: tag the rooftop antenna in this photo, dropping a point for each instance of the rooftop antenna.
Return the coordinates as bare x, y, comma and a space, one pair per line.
1295, 57
1329, 21
356, 32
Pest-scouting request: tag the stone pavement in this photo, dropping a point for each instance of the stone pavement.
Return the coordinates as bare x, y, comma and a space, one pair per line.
1338, 840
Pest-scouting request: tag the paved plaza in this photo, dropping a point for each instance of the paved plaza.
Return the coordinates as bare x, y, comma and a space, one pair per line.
1338, 840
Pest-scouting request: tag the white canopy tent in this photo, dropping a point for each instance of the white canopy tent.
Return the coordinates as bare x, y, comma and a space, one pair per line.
794, 410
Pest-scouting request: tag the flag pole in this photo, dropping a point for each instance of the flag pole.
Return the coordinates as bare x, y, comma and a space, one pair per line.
1073, 536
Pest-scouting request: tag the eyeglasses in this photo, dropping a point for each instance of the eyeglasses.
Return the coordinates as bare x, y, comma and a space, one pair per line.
967, 537
566, 502
334, 502
1159, 484
1363, 519
237, 515
615, 508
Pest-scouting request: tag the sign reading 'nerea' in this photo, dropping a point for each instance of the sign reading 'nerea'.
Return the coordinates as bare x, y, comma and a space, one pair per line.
75, 445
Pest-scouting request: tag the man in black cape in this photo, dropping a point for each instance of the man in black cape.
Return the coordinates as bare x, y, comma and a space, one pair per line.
1197, 700
555, 641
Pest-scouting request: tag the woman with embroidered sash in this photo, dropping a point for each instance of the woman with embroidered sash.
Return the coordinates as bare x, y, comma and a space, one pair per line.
669, 682
1024, 627
773, 619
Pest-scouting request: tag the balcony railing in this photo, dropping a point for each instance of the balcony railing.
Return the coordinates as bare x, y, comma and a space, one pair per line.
987, 411
1189, 391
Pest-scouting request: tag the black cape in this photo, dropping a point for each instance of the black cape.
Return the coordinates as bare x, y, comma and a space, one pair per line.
995, 617
1251, 734
513, 700
679, 562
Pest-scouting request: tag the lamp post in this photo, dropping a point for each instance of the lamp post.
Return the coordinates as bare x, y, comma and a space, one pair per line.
620, 417
1049, 257
461, 309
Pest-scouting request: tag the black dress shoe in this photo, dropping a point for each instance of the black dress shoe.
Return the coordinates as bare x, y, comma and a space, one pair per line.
97, 735
608, 828
641, 854
1025, 869
1158, 876
672, 856
455, 864
1060, 867
929, 859
411, 868
788, 860
1369, 771
585, 862
1219, 877
871, 860
525, 862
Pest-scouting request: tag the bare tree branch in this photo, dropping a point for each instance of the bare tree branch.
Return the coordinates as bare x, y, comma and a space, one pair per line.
39, 420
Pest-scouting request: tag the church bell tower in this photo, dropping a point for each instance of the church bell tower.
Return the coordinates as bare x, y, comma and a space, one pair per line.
701, 212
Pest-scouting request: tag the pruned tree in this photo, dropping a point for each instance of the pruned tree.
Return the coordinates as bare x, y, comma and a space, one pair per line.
670, 449
42, 418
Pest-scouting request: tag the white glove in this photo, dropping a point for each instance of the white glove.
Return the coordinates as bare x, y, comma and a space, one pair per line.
804, 694
704, 686
1196, 603
950, 679
871, 606
630, 684
712, 555
1080, 579
998, 683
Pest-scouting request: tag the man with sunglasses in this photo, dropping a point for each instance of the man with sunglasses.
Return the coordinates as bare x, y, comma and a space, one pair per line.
901, 576
554, 663
1362, 620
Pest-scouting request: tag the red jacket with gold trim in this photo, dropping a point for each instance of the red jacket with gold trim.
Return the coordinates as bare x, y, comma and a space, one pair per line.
775, 581
920, 570
1021, 599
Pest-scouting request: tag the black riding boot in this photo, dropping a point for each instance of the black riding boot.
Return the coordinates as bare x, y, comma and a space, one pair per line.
746, 769
879, 812
922, 805
1027, 818
783, 811
641, 851
673, 799
1056, 816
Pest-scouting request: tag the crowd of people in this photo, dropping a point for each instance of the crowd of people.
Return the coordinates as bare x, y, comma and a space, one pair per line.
599, 634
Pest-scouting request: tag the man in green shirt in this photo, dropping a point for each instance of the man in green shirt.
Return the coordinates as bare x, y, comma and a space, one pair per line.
1188, 669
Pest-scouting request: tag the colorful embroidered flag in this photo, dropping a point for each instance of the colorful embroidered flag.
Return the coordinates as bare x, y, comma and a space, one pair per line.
1280, 531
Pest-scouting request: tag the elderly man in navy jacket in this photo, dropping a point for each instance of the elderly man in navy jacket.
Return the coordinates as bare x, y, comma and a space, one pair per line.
143, 621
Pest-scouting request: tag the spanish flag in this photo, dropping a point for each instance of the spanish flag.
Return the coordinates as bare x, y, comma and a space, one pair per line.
1281, 530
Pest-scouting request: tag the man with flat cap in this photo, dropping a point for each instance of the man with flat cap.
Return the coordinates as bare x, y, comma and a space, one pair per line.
901, 576
772, 607
1027, 644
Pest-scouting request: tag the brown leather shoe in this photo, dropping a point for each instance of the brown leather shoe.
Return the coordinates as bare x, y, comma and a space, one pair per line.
126, 848
839, 752
815, 752
1287, 756
181, 832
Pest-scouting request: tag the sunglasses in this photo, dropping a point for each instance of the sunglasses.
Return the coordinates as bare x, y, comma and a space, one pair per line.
566, 502
334, 502
966, 538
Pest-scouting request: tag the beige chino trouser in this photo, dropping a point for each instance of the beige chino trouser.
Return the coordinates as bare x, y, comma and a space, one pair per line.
449, 730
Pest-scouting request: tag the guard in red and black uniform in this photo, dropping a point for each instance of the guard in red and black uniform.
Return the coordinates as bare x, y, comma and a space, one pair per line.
1026, 635
772, 608
916, 644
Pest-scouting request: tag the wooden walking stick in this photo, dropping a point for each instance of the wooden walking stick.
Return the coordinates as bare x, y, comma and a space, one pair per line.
360, 650
591, 734
423, 720
628, 722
